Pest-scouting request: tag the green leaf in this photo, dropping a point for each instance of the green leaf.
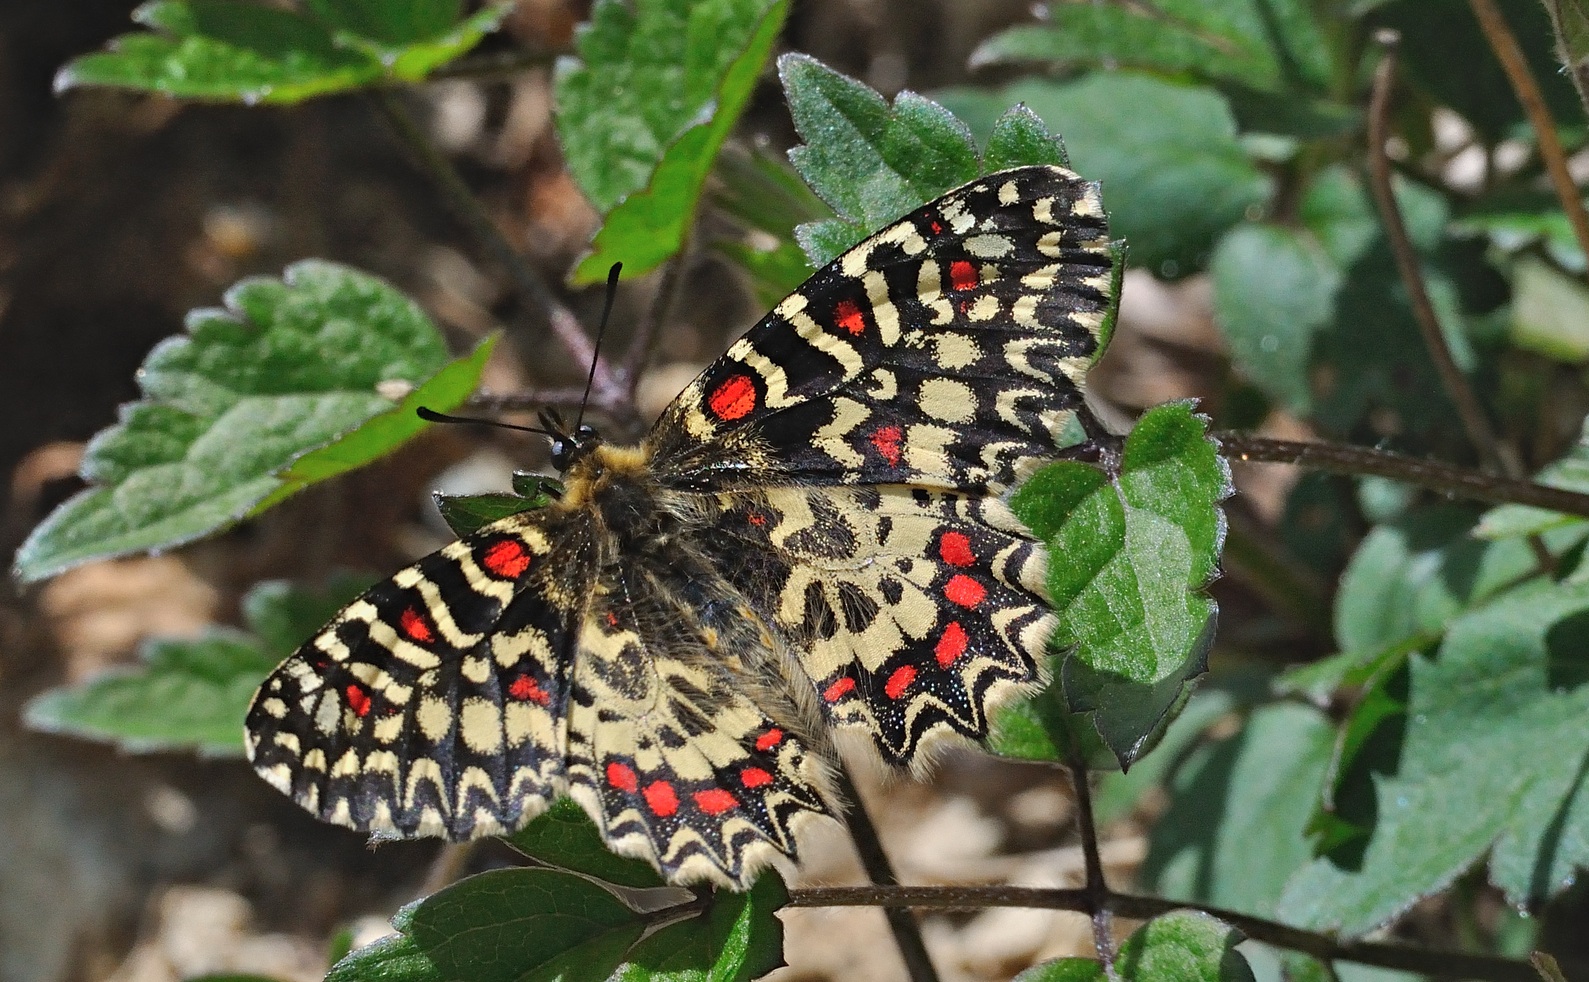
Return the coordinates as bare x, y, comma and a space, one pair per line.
193, 694
1173, 172
1187, 946
232, 50
564, 836
1136, 550
1549, 309
1301, 302
465, 514
1262, 783
234, 411
1488, 757
1274, 290
871, 161
527, 925
1515, 231
1411, 576
1021, 138
643, 116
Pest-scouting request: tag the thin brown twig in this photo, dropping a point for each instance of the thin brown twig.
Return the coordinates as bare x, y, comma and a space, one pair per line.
1337, 458
1510, 54
1474, 420
1453, 964
545, 310
1097, 888
907, 933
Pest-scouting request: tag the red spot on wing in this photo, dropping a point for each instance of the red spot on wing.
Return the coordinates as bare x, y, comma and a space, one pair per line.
900, 681
612, 619
963, 275
413, 624
936, 226
848, 316
887, 440
660, 796
358, 699
733, 398
838, 690
757, 519
622, 777
965, 591
955, 548
506, 559
526, 689
754, 777
770, 739
951, 644
715, 801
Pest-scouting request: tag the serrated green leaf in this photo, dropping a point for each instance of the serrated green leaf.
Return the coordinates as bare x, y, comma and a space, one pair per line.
1137, 549
646, 224
1173, 172
869, 160
1187, 946
536, 925
234, 50
564, 836
192, 694
1488, 757
644, 75
1021, 138
1262, 783
235, 410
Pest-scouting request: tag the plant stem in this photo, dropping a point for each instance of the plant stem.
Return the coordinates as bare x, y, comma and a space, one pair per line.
907, 933
1337, 458
645, 335
545, 310
499, 63
1474, 420
1097, 888
1425, 961
1507, 51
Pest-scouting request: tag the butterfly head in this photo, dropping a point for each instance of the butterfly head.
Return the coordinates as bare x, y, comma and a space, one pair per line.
569, 445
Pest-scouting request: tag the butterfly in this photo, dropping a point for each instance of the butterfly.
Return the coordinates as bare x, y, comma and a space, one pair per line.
812, 537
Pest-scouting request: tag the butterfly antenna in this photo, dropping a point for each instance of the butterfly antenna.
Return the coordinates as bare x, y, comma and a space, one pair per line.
601, 332
431, 416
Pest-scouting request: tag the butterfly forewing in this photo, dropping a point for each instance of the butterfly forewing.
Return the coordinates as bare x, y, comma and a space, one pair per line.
946, 350
812, 536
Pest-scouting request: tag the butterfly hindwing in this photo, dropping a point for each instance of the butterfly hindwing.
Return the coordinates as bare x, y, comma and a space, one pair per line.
435, 703
945, 350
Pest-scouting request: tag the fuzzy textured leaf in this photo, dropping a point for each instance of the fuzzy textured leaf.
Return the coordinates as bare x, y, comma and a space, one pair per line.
241, 51
1138, 548
1488, 757
1187, 946
645, 109
235, 410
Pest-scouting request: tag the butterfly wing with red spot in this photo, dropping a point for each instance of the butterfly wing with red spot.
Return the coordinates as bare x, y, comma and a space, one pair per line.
912, 613
672, 744
946, 350
435, 703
